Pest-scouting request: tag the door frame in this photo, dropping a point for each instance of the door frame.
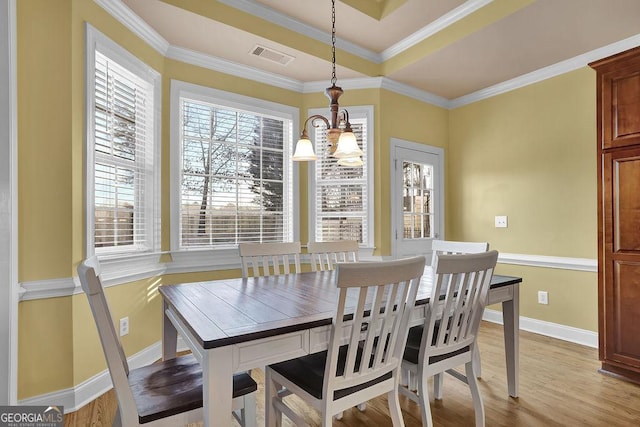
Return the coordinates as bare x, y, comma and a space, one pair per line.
440, 199
9, 287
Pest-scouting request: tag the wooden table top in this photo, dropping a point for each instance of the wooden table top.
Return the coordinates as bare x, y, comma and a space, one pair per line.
231, 311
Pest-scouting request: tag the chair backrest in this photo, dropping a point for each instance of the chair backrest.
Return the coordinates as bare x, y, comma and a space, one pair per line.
325, 255
266, 259
89, 274
461, 285
377, 298
440, 247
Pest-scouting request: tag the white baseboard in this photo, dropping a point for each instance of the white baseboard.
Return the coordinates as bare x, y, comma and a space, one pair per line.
554, 330
76, 397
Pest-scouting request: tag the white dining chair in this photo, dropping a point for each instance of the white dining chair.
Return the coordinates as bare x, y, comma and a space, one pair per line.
452, 319
266, 259
366, 344
448, 247
440, 247
166, 393
325, 255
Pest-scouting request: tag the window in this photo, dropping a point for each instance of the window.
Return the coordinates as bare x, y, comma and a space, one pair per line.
122, 156
342, 205
417, 200
235, 171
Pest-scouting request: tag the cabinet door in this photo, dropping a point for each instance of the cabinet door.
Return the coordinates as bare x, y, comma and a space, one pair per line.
621, 287
621, 106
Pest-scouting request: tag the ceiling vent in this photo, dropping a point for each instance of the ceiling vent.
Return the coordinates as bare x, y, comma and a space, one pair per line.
271, 55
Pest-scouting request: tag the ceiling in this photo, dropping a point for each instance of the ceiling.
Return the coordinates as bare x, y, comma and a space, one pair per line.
447, 48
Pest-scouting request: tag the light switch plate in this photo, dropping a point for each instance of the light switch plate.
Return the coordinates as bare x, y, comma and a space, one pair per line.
501, 221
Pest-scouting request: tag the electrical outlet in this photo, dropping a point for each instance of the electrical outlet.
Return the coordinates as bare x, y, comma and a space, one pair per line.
501, 221
124, 326
543, 297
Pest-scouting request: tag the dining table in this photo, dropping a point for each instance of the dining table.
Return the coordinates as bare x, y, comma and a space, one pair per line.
239, 324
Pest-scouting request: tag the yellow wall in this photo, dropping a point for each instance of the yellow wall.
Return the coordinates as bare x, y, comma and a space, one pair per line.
573, 297
51, 99
139, 301
44, 131
410, 120
51, 121
528, 154
44, 197
45, 346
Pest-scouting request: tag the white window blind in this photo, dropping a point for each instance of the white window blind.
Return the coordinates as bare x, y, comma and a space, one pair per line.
341, 199
235, 176
122, 158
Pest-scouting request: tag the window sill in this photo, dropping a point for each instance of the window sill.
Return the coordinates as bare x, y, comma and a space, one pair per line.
122, 269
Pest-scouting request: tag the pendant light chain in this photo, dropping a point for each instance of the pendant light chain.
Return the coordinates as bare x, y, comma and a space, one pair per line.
333, 42
341, 142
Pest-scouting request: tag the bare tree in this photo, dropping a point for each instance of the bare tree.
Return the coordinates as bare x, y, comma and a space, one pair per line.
225, 154
209, 153
266, 164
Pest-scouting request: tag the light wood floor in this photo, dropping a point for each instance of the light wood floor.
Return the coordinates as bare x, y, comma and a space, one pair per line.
559, 386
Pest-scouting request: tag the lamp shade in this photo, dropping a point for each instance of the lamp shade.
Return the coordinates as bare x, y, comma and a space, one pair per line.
351, 161
304, 151
347, 146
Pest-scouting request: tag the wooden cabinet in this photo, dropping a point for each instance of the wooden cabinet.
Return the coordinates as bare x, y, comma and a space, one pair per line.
618, 103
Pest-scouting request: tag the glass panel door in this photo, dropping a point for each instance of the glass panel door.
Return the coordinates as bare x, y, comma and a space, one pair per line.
416, 199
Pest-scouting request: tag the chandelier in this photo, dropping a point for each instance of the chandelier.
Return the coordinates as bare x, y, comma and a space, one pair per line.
342, 143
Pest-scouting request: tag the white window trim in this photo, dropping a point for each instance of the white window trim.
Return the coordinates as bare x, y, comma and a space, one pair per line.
95, 40
354, 112
201, 256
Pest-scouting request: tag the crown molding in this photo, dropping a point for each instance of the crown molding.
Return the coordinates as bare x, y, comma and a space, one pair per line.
381, 83
415, 93
547, 72
133, 22
347, 84
264, 12
460, 12
233, 68
257, 9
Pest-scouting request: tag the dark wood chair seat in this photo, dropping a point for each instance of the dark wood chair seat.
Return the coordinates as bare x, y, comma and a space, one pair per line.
165, 393
174, 386
362, 363
412, 349
461, 284
308, 373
